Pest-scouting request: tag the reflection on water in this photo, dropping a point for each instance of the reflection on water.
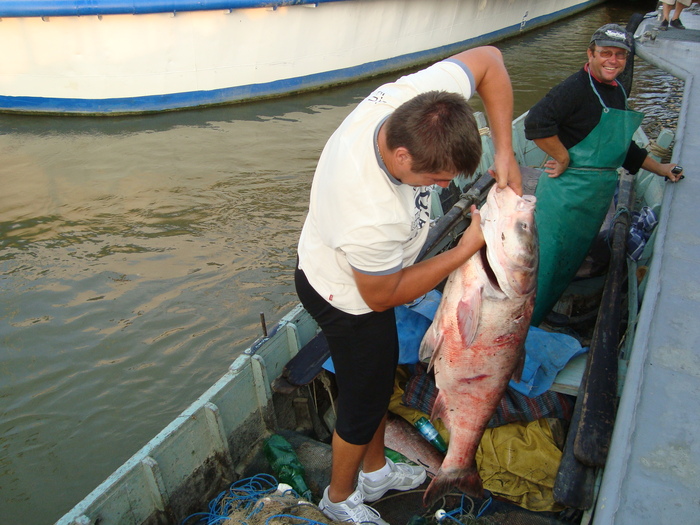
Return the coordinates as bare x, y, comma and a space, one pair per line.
136, 255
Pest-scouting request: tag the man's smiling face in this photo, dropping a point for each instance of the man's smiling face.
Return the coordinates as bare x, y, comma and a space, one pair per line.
606, 63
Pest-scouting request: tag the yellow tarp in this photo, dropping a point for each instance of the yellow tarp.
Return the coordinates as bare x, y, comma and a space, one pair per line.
519, 461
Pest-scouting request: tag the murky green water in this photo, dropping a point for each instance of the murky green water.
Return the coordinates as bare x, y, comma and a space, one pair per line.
136, 255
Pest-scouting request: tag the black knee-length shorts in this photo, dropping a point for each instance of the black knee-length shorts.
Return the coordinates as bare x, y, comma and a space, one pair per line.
365, 352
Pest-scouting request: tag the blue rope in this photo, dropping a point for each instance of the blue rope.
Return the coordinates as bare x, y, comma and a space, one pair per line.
621, 211
242, 495
460, 512
484, 506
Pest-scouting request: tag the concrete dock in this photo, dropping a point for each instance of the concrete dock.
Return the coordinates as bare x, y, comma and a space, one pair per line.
652, 474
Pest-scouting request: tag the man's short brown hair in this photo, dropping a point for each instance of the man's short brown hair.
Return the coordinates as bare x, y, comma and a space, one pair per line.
439, 131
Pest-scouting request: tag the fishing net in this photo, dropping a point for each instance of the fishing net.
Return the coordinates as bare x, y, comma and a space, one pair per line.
279, 509
259, 500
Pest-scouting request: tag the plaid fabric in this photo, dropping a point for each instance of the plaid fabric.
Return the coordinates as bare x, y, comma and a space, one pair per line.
421, 392
642, 224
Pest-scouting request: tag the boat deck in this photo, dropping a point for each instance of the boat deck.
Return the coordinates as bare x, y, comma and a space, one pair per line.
653, 470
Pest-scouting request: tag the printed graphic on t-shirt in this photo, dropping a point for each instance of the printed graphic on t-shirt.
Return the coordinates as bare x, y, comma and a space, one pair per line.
421, 212
376, 97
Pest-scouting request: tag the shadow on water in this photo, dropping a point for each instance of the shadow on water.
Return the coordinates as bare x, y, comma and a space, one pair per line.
261, 110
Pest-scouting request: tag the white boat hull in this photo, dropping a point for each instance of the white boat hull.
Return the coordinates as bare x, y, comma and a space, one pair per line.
122, 62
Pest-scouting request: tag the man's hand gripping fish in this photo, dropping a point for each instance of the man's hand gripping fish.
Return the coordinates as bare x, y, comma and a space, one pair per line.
476, 341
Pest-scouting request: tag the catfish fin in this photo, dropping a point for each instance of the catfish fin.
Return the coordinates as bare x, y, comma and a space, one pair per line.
439, 409
467, 480
429, 345
433, 358
430, 349
519, 366
468, 315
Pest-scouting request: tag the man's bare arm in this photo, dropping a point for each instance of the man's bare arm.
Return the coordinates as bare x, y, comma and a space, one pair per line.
494, 87
553, 147
382, 292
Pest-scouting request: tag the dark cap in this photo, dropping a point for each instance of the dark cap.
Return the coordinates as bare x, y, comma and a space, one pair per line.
613, 35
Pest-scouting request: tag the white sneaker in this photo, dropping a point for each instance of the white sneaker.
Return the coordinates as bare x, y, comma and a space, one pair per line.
402, 477
352, 509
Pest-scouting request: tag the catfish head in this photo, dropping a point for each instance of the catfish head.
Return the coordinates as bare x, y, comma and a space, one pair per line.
508, 224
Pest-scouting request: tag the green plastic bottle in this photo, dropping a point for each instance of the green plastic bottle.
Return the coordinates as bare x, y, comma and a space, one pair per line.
396, 457
430, 433
286, 465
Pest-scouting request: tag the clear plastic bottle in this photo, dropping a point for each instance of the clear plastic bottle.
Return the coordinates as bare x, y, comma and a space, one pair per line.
430, 433
286, 465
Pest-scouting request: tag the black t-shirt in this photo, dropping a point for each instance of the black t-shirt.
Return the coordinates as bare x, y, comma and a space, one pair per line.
571, 110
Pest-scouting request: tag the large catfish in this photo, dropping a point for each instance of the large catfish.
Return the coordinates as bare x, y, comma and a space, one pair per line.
476, 341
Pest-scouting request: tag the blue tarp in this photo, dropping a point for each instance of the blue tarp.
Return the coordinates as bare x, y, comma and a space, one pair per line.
546, 353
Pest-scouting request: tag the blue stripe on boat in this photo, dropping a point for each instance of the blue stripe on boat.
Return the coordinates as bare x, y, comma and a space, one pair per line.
18, 8
232, 94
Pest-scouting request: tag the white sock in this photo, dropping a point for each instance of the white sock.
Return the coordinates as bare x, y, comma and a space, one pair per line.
378, 475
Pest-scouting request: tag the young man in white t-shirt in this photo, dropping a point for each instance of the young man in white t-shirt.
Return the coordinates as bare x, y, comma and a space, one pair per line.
368, 219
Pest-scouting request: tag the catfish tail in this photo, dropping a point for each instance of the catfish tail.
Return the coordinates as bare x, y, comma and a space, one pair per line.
467, 480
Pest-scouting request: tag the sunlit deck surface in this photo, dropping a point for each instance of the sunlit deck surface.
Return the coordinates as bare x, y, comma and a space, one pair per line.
653, 470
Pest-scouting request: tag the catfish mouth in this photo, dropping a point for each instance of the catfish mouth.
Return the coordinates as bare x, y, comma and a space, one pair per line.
490, 274
518, 278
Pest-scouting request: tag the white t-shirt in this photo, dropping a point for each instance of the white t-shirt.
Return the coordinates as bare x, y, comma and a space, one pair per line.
359, 215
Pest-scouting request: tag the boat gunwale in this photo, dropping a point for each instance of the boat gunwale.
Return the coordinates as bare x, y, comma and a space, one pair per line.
612, 500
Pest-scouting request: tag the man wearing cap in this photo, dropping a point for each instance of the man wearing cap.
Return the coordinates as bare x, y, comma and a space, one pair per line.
586, 128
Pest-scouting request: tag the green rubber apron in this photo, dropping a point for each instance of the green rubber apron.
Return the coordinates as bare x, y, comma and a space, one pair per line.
571, 208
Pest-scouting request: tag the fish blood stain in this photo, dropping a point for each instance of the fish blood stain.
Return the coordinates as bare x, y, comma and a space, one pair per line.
472, 379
